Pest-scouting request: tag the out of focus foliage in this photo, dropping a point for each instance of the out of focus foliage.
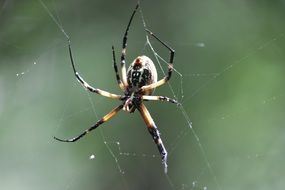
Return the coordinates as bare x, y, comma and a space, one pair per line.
231, 56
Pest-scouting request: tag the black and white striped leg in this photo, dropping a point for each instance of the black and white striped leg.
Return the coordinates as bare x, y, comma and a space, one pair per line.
121, 85
160, 98
155, 134
99, 122
170, 65
86, 85
125, 38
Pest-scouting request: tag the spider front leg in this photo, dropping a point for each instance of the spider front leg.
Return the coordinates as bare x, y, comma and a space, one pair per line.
121, 85
154, 133
99, 122
170, 66
86, 85
124, 48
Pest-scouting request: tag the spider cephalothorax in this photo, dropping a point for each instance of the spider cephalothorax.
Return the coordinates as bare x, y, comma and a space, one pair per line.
138, 84
140, 73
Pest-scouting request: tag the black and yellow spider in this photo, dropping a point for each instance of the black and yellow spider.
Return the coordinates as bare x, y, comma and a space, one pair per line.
138, 83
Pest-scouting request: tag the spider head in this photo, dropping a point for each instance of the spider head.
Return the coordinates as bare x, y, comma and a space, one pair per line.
140, 73
138, 61
132, 102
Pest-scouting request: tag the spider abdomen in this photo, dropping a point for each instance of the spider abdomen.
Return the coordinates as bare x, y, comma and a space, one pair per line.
140, 73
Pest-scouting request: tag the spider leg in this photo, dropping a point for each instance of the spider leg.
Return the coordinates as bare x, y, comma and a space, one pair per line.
160, 98
99, 122
121, 85
123, 60
154, 133
85, 84
170, 66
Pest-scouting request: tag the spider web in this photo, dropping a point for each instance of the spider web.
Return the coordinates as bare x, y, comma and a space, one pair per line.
122, 153
197, 166
186, 116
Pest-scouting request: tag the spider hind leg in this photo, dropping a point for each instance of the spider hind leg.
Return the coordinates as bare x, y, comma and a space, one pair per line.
99, 122
154, 133
163, 153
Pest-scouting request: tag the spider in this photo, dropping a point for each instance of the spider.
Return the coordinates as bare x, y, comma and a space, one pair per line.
138, 83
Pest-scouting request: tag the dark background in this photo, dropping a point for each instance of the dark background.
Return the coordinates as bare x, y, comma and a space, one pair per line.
231, 56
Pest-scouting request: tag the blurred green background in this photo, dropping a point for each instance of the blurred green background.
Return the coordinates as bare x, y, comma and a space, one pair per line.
230, 53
